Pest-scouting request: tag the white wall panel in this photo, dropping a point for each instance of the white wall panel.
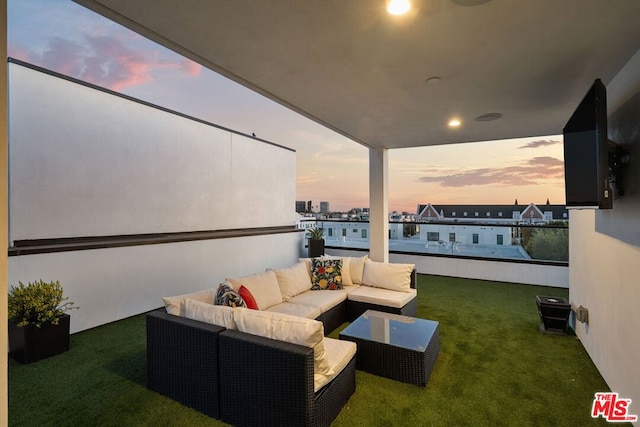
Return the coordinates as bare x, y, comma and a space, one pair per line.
84, 162
501, 271
112, 284
604, 255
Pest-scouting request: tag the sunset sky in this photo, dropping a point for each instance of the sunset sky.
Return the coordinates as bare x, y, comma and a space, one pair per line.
62, 36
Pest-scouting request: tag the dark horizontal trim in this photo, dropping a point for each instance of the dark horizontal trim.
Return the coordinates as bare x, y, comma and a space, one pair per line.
461, 257
139, 101
455, 223
65, 244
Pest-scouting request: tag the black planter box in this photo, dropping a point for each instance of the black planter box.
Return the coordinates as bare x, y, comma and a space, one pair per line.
28, 344
316, 248
554, 313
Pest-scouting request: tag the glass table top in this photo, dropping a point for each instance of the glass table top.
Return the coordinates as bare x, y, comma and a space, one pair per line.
394, 329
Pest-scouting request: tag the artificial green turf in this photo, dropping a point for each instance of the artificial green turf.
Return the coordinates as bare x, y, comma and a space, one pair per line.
494, 368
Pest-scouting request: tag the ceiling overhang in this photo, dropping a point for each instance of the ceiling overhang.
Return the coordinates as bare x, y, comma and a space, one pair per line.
354, 68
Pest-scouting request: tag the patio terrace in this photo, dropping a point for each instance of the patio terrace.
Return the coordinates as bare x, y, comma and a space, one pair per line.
604, 246
494, 368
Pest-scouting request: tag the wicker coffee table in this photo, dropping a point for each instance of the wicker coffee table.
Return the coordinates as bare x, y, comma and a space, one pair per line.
393, 346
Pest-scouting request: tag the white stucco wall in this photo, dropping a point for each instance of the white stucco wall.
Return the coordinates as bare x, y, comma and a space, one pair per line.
604, 251
501, 271
87, 163
112, 284
84, 162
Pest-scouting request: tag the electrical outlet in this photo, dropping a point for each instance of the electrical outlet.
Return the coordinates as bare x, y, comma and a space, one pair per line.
582, 314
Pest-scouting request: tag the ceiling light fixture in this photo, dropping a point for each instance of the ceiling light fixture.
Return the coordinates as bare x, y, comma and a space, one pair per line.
433, 80
488, 117
454, 123
398, 7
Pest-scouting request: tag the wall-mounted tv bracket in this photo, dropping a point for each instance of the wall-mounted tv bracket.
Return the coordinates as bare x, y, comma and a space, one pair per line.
618, 159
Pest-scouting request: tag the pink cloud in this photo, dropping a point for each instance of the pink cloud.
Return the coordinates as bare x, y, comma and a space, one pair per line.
115, 66
17, 52
539, 143
191, 68
63, 56
109, 62
529, 172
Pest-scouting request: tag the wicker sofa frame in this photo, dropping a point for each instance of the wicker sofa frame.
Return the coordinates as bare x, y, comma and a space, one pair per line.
244, 379
276, 385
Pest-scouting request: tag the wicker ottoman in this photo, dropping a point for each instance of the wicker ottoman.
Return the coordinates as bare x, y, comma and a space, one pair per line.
393, 346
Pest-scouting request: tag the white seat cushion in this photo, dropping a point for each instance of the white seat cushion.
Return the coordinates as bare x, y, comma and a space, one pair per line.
339, 354
293, 329
379, 296
349, 289
300, 310
326, 300
293, 280
220, 315
175, 305
393, 276
263, 286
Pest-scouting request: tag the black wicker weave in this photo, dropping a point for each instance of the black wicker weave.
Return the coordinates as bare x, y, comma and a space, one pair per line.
244, 379
265, 382
333, 317
399, 363
182, 360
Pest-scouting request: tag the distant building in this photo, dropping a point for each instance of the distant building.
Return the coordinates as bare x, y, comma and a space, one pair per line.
401, 217
305, 222
472, 224
324, 207
301, 206
493, 214
309, 206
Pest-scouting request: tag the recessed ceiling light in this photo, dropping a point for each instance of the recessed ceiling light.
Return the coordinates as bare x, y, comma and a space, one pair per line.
433, 80
470, 2
488, 117
398, 7
454, 123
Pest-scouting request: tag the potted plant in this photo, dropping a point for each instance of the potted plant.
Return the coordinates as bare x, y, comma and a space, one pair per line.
38, 323
316, 242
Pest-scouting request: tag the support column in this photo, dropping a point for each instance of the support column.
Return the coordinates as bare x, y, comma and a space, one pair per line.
378, 205
4, 203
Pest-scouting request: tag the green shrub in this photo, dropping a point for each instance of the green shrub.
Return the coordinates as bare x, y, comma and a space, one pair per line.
37, 303
316, 233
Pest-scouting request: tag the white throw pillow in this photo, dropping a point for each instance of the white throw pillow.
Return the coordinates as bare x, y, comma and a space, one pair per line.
175, 305
345, 271
292, 329
220, 315
293, 280
393, 276
357, 269
263, 286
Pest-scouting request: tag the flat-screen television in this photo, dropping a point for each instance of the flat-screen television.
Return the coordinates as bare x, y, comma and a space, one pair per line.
586, 153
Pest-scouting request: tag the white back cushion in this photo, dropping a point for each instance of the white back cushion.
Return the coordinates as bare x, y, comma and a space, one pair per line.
175, 305
357, 269
263, 286
220, 315
293, 280
393, 276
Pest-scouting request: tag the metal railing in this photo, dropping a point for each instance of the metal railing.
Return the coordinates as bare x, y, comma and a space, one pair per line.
498, 241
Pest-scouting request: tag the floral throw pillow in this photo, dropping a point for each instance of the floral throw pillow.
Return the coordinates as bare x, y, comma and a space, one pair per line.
226, 295
325, 274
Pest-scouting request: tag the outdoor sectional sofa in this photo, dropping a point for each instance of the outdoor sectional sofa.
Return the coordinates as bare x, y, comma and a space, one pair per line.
259, 367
